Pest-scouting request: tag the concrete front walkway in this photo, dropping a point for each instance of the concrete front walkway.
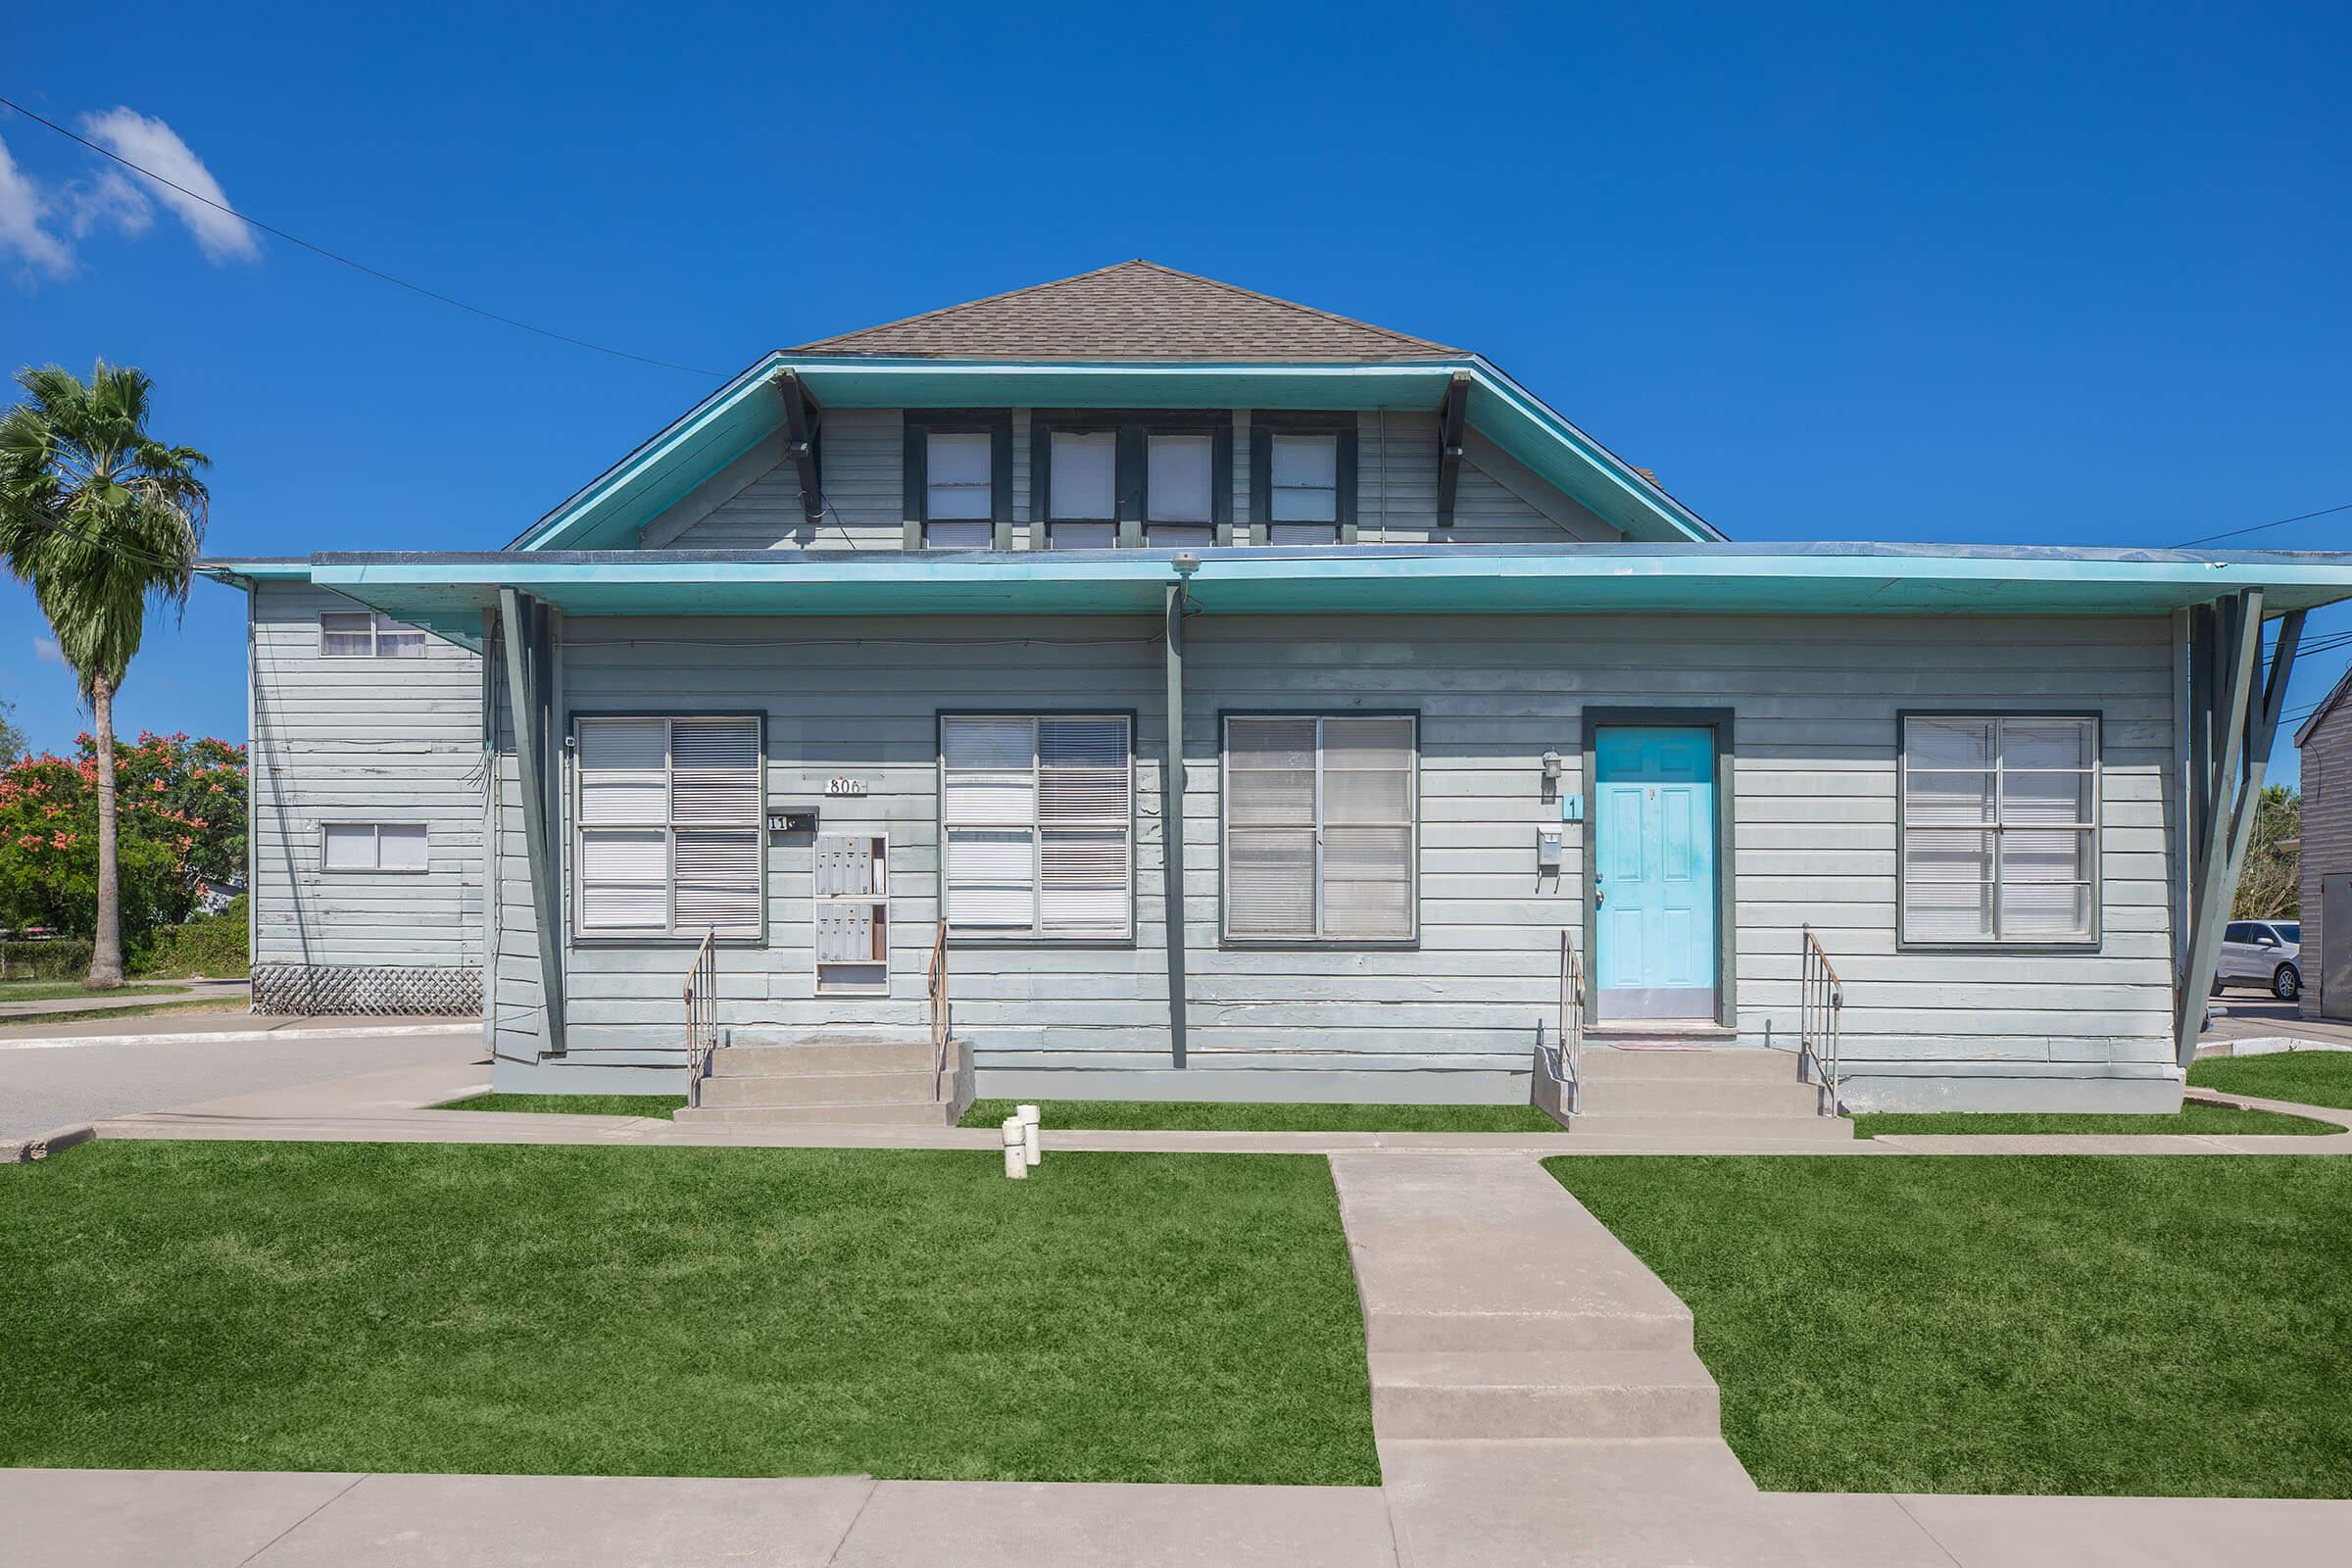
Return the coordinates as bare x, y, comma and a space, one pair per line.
395, 1107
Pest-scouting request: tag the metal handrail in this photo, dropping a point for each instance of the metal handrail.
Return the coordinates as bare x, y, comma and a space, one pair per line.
1821, 996
1563, 1061
935, 983
702, 1014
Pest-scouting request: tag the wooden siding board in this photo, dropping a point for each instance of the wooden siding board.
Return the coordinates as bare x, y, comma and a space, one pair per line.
361, 740
1816, 704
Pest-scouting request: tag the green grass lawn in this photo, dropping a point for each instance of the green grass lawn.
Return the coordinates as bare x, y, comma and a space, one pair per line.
2114, 1325
2189, 1118
682, 1312
2307, 1077
575, 1105
1186, 1116
64, 990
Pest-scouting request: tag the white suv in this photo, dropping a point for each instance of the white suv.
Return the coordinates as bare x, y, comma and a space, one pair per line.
2262, 953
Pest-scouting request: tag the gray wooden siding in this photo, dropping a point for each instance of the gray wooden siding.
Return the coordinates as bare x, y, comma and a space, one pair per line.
369, 740
2327, 848
1815, 702
755, 504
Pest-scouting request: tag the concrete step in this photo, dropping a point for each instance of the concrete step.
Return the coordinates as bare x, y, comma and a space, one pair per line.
1723, 1064
740, 1060
1736, 1096
1697, 1128
1585, 1394
828, 1089
1407, 1330
905, 1113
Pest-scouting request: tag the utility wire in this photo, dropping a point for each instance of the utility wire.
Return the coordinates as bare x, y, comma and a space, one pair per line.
2260, 526
357, 266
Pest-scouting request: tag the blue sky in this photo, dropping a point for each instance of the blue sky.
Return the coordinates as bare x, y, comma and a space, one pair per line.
1976, 273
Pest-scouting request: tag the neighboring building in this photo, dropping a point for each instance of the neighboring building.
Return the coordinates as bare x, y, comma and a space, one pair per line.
2325, 853
895, 628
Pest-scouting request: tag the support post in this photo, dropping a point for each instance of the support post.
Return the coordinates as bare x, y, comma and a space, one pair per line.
1450, 443
1171, 825
2244, 721
522, 626
800, 444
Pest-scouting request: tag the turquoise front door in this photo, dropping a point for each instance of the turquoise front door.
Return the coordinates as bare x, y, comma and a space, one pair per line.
1653, 872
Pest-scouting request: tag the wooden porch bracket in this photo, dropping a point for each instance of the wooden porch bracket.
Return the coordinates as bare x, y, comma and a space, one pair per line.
1450, 422
524, 630
799, 442
2234, 708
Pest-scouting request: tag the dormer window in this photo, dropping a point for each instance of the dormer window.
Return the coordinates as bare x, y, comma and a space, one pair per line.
958, 479
1180, 491
1082, 489
1101, 478
1302, 489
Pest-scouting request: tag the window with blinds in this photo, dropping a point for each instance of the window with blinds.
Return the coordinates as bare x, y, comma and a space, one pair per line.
667, 827
2000, 829
1037, 813
1319, 828
366, 634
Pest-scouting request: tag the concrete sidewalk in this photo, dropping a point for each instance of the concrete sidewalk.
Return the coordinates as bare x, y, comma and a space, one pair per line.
225, 993
1493, 1505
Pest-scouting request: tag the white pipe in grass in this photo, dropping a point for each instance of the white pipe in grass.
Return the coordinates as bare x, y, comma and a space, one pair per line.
1016, 1153
1031, 1147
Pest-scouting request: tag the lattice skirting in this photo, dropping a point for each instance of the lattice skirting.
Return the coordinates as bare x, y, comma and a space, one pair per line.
357, 989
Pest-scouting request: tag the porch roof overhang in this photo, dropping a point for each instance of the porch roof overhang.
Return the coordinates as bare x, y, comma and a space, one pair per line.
611, 510
449, 592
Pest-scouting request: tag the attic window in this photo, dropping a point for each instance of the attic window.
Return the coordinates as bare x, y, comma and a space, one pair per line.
1101, 478
1081, 499
957, 471
1302, 478
1179, 491
955, 501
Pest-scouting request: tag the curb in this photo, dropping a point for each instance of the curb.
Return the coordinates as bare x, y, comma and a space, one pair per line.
24, 1151
239, 1036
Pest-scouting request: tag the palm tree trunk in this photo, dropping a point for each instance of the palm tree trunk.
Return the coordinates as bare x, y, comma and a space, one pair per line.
106, 946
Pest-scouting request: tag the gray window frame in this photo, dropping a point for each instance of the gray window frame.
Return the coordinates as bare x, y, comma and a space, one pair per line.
1264, 424
1131, 485
1036, 935
921, 425
647, 936
377, 625
2097, 877
1226, 939
378, 823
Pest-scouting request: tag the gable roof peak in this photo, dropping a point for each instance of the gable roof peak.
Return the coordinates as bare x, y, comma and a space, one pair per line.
1132, 310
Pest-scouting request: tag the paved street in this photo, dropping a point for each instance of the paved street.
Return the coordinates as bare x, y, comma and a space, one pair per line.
50, 1086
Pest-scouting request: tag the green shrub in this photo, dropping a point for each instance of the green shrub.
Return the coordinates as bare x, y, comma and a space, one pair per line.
211, 945
62, 958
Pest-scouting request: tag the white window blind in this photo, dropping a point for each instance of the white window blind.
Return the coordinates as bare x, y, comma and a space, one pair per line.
372, 845
1038, 816
668, 827
2000, 824
1319, 828
365, 634
1179, 507
958, 489
1306, 487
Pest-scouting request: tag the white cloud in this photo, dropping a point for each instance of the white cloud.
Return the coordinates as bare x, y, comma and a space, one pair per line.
156, 147
22, 208
46, 652
112, 201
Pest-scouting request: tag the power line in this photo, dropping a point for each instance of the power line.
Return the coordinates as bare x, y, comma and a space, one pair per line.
354, 266
2259, 527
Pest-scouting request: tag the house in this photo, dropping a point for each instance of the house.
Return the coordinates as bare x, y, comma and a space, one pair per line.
2325, 854
877, 657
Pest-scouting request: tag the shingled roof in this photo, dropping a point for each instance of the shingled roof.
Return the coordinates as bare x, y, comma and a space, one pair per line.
1137, 310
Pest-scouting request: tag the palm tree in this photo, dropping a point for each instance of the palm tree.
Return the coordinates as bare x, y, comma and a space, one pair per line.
101, 519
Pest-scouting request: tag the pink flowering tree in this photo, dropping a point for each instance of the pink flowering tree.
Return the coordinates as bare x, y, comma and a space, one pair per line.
180, 817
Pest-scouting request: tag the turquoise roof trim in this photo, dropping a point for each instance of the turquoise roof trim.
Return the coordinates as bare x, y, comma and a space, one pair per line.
453, 590
612, 510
